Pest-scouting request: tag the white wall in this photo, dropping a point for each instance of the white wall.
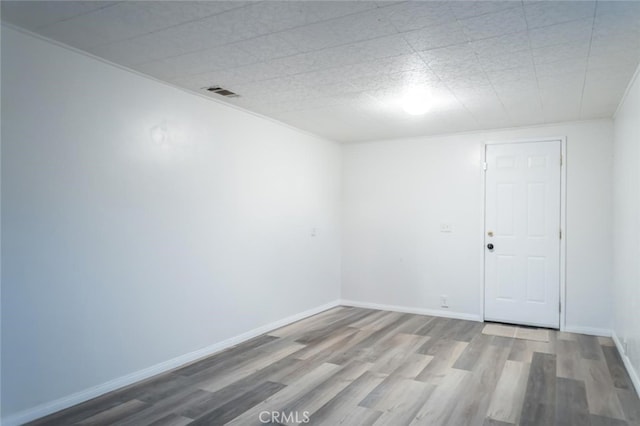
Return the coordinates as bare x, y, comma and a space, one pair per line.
118, 253
626, 246
398, 192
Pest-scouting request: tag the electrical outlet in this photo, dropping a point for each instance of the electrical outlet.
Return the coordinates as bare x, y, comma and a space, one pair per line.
446, 227
443, 301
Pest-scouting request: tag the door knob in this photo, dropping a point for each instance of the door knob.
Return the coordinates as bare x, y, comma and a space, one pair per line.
490, 246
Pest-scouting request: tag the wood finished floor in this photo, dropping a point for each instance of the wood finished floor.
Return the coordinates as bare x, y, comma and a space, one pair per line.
355, 366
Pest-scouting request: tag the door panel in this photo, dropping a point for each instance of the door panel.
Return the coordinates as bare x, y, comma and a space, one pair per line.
522, 212
506, 268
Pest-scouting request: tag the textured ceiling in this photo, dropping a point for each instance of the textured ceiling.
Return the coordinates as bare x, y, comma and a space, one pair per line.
340, 69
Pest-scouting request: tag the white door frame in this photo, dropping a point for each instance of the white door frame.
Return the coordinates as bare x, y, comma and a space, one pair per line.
563, 218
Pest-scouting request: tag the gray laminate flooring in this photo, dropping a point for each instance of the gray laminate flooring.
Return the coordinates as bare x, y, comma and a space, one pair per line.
355, 366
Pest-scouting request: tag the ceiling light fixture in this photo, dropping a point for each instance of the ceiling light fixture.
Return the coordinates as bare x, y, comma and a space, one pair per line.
416, 102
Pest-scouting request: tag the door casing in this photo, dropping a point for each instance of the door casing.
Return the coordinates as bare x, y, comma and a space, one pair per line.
563, 218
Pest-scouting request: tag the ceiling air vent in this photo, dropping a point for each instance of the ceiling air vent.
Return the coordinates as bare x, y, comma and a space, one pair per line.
220, 91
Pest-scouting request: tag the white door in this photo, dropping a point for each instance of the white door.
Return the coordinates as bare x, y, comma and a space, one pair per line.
522, 233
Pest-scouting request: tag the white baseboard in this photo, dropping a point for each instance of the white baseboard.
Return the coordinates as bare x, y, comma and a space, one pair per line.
120, 382
592, 331
627, 363
409, 310
460, 315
